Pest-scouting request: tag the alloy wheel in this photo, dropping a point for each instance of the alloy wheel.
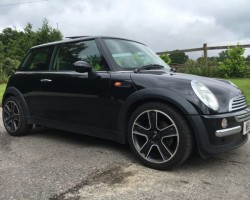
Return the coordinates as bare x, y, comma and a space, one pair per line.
11, 116
155, 136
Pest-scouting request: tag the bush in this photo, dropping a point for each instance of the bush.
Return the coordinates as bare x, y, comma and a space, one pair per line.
234, 66
8, 68
165, 58
178, 57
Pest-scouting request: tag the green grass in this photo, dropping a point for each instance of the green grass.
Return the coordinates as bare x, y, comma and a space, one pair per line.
2, 89
244, 85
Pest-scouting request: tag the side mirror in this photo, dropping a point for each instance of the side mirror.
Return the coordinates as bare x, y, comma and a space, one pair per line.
82, 66
173, 69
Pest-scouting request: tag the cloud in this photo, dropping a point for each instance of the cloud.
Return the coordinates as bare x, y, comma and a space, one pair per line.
162, 24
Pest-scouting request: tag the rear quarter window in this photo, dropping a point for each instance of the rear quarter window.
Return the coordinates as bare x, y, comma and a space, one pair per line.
38, 60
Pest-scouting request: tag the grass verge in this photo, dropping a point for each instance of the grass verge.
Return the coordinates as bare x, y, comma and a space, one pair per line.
2, 89
244, 85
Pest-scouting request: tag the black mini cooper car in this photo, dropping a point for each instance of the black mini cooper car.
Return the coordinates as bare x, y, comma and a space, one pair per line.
121, 90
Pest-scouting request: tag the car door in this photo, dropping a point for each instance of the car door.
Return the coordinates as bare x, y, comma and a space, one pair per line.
74, 99
27, 79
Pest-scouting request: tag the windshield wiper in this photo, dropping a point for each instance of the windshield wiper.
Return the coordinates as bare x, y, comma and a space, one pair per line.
149, 67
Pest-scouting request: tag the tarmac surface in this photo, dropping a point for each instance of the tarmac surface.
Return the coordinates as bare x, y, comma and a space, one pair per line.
52, 164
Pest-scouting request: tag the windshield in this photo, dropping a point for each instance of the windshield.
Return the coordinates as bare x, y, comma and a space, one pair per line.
130, 55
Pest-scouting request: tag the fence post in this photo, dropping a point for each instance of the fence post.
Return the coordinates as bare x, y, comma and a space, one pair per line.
205, 53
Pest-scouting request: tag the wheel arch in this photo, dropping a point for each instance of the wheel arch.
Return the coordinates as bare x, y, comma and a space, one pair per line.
12, 91
153, 95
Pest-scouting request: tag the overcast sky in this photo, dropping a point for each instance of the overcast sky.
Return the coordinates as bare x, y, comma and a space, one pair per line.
161, 24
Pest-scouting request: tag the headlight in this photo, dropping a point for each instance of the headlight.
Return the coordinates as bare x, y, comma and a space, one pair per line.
205, 95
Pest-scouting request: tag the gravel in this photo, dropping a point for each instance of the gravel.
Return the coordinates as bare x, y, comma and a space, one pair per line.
52, 164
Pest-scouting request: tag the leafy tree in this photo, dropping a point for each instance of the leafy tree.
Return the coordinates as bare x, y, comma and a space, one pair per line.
223, 56
47, 34
165, 57
248, 58
178, 57
211, 61
7, 35
15, 44
1, 54
234, 65
9, 67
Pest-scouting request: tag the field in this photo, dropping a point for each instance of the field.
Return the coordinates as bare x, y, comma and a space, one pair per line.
243, 84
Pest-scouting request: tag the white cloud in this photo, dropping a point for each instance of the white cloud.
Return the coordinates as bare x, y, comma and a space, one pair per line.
162, 24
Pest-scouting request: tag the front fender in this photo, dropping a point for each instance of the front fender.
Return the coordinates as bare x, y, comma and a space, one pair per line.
156, 94
168, 96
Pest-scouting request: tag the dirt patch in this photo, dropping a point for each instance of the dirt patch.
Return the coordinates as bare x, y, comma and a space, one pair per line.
112, 176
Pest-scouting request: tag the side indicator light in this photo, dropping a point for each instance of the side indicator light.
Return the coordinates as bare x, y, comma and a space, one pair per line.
117, 84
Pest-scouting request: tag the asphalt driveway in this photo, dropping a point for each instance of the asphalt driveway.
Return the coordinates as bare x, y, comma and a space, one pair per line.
51, 164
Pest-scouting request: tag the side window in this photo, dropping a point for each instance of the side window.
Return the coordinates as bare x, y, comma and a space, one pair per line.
38, 60
68, 54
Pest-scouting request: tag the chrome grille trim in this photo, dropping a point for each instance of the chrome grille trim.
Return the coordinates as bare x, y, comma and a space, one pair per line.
243, 117
237, 103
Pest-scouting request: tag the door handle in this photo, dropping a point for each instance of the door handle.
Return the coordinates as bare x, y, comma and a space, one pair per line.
45, 80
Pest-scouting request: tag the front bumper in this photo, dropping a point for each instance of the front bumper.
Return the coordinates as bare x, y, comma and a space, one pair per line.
212, 138
228, 131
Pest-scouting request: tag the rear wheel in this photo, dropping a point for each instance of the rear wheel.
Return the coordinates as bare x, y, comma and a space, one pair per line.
13, 117
159, 136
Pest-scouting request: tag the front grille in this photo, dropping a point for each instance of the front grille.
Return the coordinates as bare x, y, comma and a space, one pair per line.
243, 116
237, 103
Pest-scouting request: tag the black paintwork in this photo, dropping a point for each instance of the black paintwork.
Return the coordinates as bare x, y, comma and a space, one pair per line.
75, 102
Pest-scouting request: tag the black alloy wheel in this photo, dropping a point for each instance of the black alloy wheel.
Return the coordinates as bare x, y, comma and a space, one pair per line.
13, 118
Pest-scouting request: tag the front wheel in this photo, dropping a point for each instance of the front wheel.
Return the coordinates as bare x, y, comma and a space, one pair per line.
13, 117
159, 136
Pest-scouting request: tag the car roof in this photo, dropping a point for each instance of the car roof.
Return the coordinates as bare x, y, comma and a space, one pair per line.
78, 39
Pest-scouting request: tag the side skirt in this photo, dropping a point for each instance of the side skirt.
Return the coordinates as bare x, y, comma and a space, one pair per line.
81, 129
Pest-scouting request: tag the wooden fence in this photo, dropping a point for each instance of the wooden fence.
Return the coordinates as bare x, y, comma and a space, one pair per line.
205, 48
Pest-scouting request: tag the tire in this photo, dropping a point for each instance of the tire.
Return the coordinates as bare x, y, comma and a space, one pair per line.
14, 119
159, 136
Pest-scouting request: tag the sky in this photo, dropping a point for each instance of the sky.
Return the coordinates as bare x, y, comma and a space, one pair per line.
161, 24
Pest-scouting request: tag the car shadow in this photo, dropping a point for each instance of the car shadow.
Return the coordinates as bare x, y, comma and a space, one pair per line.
76, 139
195, 162
218, 161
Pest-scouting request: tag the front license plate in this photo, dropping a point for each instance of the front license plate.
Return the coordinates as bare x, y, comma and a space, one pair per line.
246, 128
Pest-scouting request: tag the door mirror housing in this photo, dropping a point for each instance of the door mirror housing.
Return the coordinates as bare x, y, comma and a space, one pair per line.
173, 69
82, 66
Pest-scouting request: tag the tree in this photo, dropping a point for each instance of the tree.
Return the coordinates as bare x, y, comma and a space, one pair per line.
211, 61
234, 65
248, 58
7, 35
178, 57
1, 54
165, 57
15, 44
223, 55
47, 34
9, 67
